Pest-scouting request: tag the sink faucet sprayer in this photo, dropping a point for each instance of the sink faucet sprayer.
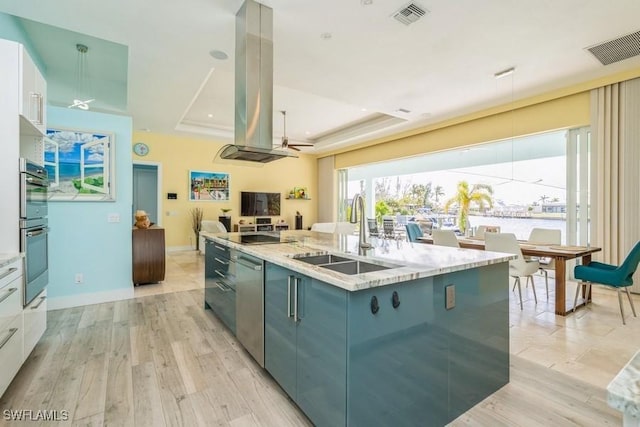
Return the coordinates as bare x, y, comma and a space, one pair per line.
358, 202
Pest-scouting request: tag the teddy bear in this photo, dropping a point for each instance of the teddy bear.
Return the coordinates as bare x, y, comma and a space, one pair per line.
142, 219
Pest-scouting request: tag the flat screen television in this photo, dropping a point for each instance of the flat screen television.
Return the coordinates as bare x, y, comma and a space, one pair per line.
259, 204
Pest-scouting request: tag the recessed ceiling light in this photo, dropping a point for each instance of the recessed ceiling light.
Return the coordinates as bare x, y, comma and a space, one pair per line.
326, 36
209, 115
307, 132
363, 109
366, 2
218, 54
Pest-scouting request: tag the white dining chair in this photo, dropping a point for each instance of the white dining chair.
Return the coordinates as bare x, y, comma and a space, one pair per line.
482, 229
549, 236
519, 267
445, 238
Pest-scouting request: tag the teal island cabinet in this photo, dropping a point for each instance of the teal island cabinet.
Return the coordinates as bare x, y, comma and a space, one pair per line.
220, 282
306, 342
416, 336
389, 355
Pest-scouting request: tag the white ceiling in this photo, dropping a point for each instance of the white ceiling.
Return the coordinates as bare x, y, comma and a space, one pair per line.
439, 67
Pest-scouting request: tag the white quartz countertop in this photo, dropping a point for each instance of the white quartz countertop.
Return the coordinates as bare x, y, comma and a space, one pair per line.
408, 261
623, 393
8, 258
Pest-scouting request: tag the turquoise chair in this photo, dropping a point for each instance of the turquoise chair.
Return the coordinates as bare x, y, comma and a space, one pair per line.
413, 231
609, 275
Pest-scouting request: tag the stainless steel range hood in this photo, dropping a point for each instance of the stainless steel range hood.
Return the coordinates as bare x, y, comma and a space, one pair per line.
254, 87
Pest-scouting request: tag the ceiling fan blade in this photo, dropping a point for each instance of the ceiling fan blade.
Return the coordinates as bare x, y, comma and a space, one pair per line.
294, 148
300, 145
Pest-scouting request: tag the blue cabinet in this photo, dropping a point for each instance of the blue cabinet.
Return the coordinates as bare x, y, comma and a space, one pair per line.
398, 356
404, 360
305, 342
220, 283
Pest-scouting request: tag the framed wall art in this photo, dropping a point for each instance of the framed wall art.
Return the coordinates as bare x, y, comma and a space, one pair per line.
80, 164
208, 186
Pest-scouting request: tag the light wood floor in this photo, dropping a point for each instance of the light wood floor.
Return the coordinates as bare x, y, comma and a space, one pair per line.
160, 359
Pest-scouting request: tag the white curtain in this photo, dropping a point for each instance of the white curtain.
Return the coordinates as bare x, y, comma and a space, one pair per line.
615, 205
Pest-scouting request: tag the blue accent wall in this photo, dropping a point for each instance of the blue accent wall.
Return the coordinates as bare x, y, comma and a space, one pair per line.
11, 29
81, 240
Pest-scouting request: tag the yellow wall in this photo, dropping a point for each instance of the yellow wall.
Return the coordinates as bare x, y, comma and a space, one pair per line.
563, 108
178, 155
565, 112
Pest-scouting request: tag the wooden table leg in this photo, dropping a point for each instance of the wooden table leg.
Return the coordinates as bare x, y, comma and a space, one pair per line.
586, 260
561, 267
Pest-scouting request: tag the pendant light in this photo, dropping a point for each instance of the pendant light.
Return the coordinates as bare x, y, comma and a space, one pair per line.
82, 98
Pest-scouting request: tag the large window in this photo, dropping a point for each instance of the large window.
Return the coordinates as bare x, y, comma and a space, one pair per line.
527, 177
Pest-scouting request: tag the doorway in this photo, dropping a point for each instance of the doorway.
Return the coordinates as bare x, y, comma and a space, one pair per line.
145, 190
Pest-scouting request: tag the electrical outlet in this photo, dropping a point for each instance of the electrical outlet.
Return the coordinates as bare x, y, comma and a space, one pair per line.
79, 278
113, 217
450, 297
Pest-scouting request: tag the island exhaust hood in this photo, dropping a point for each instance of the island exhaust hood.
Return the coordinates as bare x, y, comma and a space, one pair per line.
254, 87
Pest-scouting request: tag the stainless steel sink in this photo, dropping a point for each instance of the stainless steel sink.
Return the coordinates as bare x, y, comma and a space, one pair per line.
354, 267
321, 259
343, 265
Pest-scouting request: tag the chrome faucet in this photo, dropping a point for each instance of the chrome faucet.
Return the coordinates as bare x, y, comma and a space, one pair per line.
358, 202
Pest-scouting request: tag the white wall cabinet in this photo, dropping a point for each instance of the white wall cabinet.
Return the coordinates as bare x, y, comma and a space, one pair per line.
11, 327
33, 91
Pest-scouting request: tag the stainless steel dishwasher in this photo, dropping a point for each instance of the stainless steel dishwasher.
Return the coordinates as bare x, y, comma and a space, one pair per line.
250, 305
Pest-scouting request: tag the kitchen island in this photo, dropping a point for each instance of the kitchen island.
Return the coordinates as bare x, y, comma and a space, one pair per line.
400, 334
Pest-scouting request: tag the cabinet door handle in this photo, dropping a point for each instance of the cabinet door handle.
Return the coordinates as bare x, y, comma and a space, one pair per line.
8, 272
295, 299
39, 304
222, 248
220, 274
9, 292
221, 261
289, 296
33, 106
221, 287
41, 109
8, 337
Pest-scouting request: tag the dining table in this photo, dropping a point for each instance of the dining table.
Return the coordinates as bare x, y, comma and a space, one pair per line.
560, 253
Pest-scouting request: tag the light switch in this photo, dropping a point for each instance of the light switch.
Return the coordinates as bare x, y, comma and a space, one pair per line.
450, 297
113, 217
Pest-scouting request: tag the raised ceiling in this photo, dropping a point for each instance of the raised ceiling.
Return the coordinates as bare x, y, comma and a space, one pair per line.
344, 71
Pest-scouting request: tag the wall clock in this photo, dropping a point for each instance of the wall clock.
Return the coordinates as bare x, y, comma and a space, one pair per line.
141, 149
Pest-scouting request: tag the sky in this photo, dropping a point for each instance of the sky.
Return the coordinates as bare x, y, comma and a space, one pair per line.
514, 183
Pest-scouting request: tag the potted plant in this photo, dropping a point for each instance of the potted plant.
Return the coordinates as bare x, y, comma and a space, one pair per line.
196, 224
225, 211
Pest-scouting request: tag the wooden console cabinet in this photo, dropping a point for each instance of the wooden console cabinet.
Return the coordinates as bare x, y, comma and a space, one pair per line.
148, 255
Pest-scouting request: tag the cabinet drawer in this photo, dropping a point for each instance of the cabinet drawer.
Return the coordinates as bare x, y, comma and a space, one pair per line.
35, 322
217, 250
10, 301
10, 272
10, 351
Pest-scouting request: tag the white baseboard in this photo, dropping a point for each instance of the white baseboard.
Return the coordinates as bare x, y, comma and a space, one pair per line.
89, 298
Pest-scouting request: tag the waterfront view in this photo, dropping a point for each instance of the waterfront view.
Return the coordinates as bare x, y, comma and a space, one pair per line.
521, 227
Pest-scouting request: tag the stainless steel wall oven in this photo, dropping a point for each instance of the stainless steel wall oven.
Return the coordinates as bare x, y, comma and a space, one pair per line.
34, 230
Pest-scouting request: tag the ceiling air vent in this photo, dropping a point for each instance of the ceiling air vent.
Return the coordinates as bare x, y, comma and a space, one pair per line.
410, 13
619, 49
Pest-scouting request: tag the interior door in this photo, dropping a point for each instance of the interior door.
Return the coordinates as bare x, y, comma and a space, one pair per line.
145, 190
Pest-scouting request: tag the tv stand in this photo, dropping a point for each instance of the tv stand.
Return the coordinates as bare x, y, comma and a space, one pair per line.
247, 228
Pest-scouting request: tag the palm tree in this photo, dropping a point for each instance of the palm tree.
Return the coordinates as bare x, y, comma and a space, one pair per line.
479, 194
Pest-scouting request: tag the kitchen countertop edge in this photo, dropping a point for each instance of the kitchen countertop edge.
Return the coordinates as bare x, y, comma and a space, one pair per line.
314, 244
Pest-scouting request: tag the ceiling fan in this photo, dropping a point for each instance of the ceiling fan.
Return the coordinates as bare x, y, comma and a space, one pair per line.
285, 139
